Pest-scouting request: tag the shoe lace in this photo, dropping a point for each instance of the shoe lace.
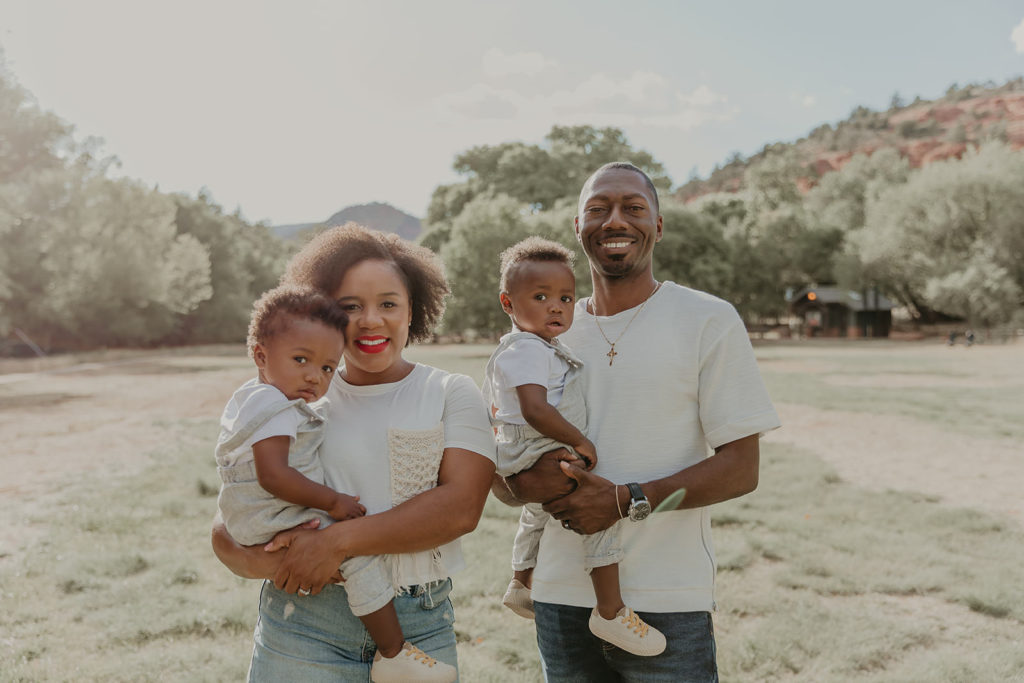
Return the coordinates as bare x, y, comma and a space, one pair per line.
633, 621
420, 656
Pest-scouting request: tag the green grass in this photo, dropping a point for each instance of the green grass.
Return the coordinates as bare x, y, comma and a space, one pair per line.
819, 580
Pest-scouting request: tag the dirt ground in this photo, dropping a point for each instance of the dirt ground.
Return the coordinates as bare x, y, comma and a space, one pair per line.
892, 452
83, 420
100, 417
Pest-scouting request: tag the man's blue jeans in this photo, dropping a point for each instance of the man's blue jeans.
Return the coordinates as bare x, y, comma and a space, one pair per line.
570, 653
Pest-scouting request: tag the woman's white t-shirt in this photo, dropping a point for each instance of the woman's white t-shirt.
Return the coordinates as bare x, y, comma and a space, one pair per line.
355, 451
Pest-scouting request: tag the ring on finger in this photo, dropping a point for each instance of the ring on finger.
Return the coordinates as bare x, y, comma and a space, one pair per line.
304, 591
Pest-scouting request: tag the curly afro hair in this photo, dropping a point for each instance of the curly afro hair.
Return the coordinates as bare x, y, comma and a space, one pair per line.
532, 249
324, 261
272, 313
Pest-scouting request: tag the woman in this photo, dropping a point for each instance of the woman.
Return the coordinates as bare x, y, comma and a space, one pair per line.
389, 422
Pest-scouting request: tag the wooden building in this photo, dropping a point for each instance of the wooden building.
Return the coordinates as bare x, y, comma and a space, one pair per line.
833, 312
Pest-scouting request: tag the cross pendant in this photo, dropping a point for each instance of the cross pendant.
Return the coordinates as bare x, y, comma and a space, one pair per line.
611, 355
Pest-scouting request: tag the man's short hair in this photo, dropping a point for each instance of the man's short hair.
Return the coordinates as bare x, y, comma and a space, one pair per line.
532, 249
624, 166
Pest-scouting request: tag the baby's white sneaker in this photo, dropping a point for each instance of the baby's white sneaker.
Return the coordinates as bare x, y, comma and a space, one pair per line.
411, 664
518, 599
629, 632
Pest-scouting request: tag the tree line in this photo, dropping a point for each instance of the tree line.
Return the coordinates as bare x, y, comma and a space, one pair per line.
90, 260
945, 241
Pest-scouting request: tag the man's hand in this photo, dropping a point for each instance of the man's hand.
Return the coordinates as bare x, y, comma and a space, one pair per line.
591, 507
545, 480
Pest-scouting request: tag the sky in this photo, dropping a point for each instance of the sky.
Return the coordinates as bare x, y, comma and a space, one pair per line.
292, 111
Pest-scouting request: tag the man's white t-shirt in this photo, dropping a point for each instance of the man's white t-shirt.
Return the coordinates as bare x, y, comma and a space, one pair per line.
683, 382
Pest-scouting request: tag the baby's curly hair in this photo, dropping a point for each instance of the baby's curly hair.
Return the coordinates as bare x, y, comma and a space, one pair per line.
272, 313
532, 249
324, 261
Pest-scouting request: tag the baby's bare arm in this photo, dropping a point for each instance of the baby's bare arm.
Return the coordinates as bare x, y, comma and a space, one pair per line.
545, 418
278, 478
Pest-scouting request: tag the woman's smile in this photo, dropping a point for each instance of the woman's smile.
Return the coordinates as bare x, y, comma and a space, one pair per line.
372, 344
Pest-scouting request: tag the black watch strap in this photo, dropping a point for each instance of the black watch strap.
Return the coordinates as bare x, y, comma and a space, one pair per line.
635, 492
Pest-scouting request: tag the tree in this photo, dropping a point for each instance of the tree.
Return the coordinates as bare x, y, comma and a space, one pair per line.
30, 140
535, 175
773, 182
835, 210
95, 261
693, 250
486, 227
245, 261
950, 222
980, 290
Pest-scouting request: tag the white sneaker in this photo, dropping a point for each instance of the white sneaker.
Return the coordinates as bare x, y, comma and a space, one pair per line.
411, 664
629, 632
518, 599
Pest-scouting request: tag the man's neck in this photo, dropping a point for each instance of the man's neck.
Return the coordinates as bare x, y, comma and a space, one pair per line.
614, 295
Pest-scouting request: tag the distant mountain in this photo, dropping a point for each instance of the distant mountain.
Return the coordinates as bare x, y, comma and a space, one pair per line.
288, 232
377, 215
923, 131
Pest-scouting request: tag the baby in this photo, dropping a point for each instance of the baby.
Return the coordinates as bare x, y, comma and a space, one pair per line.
534, 387
272, 479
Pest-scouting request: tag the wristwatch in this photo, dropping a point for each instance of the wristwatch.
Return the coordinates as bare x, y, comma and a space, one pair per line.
639, 507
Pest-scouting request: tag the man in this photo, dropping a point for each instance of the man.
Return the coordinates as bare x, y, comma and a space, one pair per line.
669, 372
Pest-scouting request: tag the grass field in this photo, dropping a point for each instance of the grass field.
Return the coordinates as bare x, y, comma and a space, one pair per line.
884, 543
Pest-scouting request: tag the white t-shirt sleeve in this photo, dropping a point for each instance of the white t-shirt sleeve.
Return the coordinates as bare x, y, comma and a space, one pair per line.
465, 418
285, 423
525, 361
733, 400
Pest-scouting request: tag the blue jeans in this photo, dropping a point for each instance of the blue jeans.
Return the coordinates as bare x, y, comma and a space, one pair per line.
317, 638
570, 653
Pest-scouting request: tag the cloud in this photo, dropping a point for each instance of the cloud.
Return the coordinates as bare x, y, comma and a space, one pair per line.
641, 98
1018, 36
480, 102
497, 64
804, 100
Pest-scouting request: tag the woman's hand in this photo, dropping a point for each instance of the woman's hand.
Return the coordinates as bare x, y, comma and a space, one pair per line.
310, 561
248, 561
588, 509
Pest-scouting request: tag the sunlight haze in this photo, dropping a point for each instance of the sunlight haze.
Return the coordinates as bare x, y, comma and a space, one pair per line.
291, 112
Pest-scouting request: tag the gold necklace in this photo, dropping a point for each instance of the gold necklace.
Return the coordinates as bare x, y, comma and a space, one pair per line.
611, 352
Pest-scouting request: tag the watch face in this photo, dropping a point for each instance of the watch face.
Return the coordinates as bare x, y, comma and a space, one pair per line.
639, 509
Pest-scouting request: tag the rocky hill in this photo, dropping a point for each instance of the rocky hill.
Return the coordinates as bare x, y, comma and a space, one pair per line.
923, 131
376, 215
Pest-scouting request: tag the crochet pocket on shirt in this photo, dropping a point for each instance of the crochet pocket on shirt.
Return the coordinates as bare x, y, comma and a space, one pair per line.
415, 459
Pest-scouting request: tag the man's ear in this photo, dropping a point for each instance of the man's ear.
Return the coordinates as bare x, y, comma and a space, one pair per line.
658, 236
506, 303
576, 227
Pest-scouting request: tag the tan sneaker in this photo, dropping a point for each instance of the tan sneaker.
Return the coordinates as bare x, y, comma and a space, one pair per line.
411, 664
518, 599
629, 632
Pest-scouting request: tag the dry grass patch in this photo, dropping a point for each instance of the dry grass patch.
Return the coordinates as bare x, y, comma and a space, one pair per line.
106, 571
